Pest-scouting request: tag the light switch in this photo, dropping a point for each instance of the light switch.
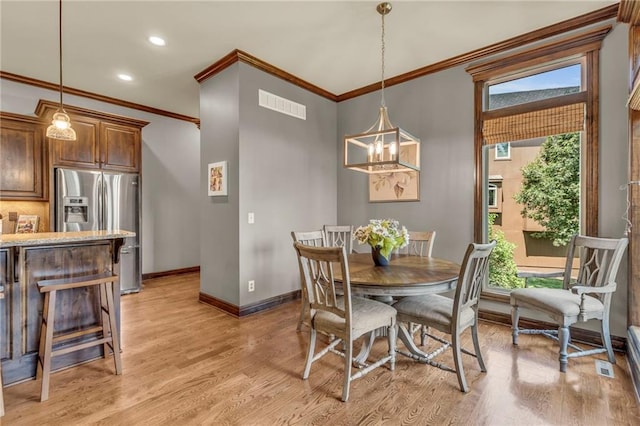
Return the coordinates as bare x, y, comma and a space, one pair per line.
251, 218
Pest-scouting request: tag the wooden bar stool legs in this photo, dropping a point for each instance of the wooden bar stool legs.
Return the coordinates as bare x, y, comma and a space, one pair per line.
1, 395
43, 368
107, 330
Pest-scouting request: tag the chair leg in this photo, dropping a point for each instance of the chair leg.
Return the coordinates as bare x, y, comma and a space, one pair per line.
476, 345
48, 312
563, 338
310, 353
104, 309
457, 360
303, 311
348, 360
515, 317
606, 339
113, 328
392, 332
423, 335
1, 396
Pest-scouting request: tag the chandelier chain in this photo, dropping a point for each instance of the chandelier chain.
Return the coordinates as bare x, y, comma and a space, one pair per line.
382, 103
60, 48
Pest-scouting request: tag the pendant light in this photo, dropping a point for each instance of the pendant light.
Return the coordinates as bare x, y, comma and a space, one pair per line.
60, 127
383, 148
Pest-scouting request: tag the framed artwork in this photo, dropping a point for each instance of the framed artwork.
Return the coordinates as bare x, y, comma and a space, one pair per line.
27, 224
396, 186
217, 178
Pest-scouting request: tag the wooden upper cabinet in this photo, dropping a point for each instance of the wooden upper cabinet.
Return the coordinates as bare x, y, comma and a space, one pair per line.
104, 141
119, 147
83, 152
22, 158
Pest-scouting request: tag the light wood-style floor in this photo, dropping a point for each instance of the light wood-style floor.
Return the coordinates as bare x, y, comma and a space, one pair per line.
186, 363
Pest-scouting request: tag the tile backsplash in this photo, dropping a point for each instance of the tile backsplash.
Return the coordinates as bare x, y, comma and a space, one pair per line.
40, 208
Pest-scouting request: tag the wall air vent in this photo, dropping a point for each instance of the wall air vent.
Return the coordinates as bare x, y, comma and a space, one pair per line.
285, 106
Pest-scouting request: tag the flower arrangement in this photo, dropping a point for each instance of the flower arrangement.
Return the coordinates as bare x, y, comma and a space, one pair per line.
385, 234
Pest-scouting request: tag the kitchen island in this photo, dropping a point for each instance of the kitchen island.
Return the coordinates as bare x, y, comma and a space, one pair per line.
26, 259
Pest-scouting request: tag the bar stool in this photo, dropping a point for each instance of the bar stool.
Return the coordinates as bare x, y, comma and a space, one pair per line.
107, 329
1, 396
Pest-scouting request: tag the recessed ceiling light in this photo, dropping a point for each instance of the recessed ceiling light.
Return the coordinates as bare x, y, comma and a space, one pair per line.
125, 77
157, 41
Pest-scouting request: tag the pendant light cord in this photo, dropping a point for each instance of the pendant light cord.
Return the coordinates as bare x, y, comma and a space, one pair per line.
60, 49
382, 102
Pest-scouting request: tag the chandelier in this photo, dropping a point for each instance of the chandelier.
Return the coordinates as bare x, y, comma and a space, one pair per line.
384, 147
60, 127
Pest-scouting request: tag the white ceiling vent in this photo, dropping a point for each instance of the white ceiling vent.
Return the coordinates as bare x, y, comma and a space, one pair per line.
285, 106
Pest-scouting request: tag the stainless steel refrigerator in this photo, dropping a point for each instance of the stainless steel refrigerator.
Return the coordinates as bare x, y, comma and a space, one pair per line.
95, 200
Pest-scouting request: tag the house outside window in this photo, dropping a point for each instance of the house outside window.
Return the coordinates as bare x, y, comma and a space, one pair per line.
503, 151
492, 196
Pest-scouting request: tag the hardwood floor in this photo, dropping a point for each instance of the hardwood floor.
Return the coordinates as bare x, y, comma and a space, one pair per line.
186, 363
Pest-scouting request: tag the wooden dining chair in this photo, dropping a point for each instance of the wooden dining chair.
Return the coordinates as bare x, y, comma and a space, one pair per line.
341, 315
588, 297
420, 243
451, 316
309, 238
339, 235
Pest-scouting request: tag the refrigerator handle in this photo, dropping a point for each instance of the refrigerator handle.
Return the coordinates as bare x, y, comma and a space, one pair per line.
101, 193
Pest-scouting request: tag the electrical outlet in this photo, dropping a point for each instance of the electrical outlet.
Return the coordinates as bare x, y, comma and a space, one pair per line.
252, 285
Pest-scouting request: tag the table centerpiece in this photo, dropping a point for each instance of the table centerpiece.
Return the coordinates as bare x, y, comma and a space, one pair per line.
384, 236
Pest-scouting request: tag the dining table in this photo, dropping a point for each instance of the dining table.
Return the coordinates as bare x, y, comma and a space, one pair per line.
405, 275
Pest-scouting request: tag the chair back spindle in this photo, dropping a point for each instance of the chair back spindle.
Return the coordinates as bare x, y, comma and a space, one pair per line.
339, 236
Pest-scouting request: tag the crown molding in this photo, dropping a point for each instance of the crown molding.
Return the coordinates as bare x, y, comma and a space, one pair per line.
624, 10
240, 56
609, 12
579, 43
90, 95
629, 12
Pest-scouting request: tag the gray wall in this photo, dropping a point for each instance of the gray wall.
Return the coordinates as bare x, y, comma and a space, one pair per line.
219, 236
614, 156
438, 108
170, 158
283, 169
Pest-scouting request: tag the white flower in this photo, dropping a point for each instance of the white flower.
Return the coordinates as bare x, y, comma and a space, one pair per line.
387, 234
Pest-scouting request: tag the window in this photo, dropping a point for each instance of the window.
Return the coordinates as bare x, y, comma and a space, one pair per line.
533, 109
492, 196
542, 84
503, 151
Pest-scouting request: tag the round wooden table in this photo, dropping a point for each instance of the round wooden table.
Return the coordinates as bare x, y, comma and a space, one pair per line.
405, 275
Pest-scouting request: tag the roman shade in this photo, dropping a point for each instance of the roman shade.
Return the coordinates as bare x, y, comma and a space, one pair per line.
535, 124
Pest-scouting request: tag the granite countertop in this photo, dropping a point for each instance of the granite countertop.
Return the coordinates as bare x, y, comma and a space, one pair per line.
43, 238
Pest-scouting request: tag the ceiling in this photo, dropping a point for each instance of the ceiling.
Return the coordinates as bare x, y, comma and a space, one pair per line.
333, 45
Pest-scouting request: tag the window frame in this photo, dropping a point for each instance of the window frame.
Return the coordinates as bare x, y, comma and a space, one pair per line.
492, 187
583, 47
506, 157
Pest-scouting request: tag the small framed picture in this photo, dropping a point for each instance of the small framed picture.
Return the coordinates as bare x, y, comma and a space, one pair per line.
27, 224
217, 179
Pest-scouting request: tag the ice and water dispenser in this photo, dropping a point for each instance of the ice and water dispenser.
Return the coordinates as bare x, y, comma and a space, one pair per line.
75, 209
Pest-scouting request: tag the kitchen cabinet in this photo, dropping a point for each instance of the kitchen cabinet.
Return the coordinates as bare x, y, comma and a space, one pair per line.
104, 141
23, 158
46, 256
120, 147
